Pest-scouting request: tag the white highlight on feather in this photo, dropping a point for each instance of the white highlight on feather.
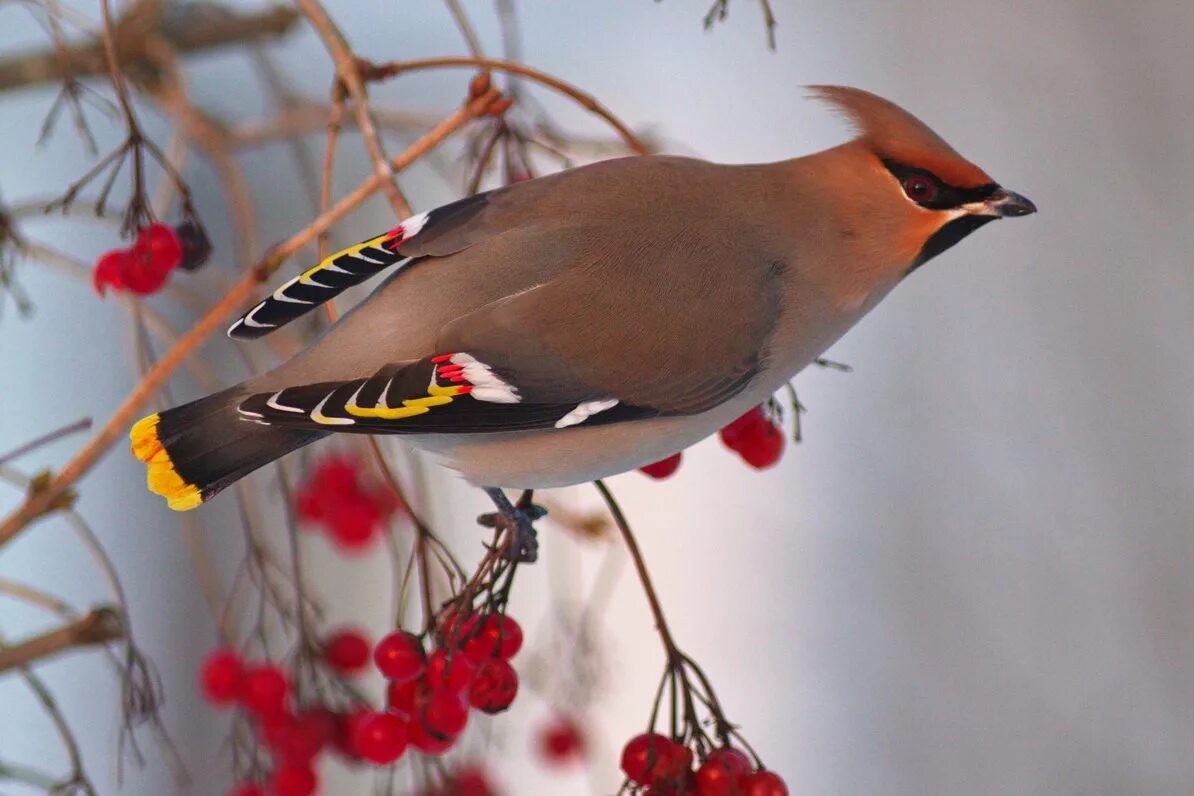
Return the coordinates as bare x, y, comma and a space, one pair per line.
367, 259
272, 403
413, 225
280, 294
319, 417
584, 411
352, 401
307, 280
248, 320
245, 413
486, 384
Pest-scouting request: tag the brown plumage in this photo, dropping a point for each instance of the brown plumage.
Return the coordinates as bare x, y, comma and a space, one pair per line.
595, 320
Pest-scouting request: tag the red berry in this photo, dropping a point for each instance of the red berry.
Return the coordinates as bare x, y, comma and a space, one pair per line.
347, 651
346, 729
311, 506
762, 446
651, 758
764, 783
662, 468
445, 714
246, 789
153, 256
265, 690
492, 635
403, 697
722, 772
353, 524
400, 657
469, 781
142, 278
450, 625
336, 476
381, 738
158, 245
109, 271
298, 739
221, 677
427, 743
495, 686
454, 672
561, 742
732, 434
293, 781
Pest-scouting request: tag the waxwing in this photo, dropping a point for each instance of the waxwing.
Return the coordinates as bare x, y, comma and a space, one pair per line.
592, 321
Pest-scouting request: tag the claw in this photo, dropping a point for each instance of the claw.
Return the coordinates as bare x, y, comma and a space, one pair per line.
525, 548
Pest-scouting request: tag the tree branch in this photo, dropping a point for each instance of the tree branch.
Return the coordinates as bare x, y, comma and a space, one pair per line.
98, 626
186, 33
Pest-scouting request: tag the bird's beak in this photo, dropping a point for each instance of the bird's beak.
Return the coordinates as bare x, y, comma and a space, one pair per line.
1002, 204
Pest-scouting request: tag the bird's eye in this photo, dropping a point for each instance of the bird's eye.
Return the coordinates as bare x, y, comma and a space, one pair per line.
920, 189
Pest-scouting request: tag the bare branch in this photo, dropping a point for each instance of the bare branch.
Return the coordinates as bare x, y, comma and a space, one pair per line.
98, 626
217, 27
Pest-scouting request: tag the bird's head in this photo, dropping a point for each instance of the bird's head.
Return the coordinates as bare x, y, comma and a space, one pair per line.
912, 184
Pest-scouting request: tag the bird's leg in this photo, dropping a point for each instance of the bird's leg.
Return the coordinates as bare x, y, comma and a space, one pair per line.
527, 503
519, 519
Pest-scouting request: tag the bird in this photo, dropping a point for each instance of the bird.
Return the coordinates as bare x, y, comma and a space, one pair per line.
588, 322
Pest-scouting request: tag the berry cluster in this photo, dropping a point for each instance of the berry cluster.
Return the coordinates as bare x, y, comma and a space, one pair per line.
428, 696
144, 267
337, 498
294, 737
664, 767
755, 437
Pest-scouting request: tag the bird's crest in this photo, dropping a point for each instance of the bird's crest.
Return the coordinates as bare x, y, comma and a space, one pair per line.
894, 134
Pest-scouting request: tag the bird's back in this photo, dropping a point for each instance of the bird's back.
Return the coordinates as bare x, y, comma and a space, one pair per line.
614, 216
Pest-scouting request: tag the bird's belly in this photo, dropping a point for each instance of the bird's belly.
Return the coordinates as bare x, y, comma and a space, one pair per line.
562, 457
575, 455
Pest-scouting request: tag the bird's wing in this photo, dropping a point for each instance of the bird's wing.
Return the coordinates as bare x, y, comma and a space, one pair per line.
612, 188
436, 233
580, 350
448, 393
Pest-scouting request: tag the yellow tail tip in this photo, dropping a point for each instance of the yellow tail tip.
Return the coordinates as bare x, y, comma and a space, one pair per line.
161, 477
143, 438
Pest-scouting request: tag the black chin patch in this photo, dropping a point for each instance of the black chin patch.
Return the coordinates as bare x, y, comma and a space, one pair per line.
949, 234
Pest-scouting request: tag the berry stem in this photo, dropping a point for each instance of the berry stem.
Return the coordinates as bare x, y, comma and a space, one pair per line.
640, 565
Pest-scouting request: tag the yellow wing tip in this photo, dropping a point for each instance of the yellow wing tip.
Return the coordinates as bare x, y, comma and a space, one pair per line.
161, 477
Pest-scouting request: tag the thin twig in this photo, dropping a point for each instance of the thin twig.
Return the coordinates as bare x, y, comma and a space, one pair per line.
46, 439
640, 565
350, 78
586, 101
78, 776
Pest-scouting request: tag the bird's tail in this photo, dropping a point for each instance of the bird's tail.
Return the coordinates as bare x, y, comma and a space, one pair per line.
195, 450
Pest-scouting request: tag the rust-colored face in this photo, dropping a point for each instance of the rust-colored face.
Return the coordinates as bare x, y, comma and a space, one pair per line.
932, 197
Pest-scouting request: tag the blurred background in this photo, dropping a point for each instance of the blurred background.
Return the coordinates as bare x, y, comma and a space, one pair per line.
974, 574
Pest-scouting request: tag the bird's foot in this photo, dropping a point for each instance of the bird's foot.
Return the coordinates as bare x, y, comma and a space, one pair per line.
520, 520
